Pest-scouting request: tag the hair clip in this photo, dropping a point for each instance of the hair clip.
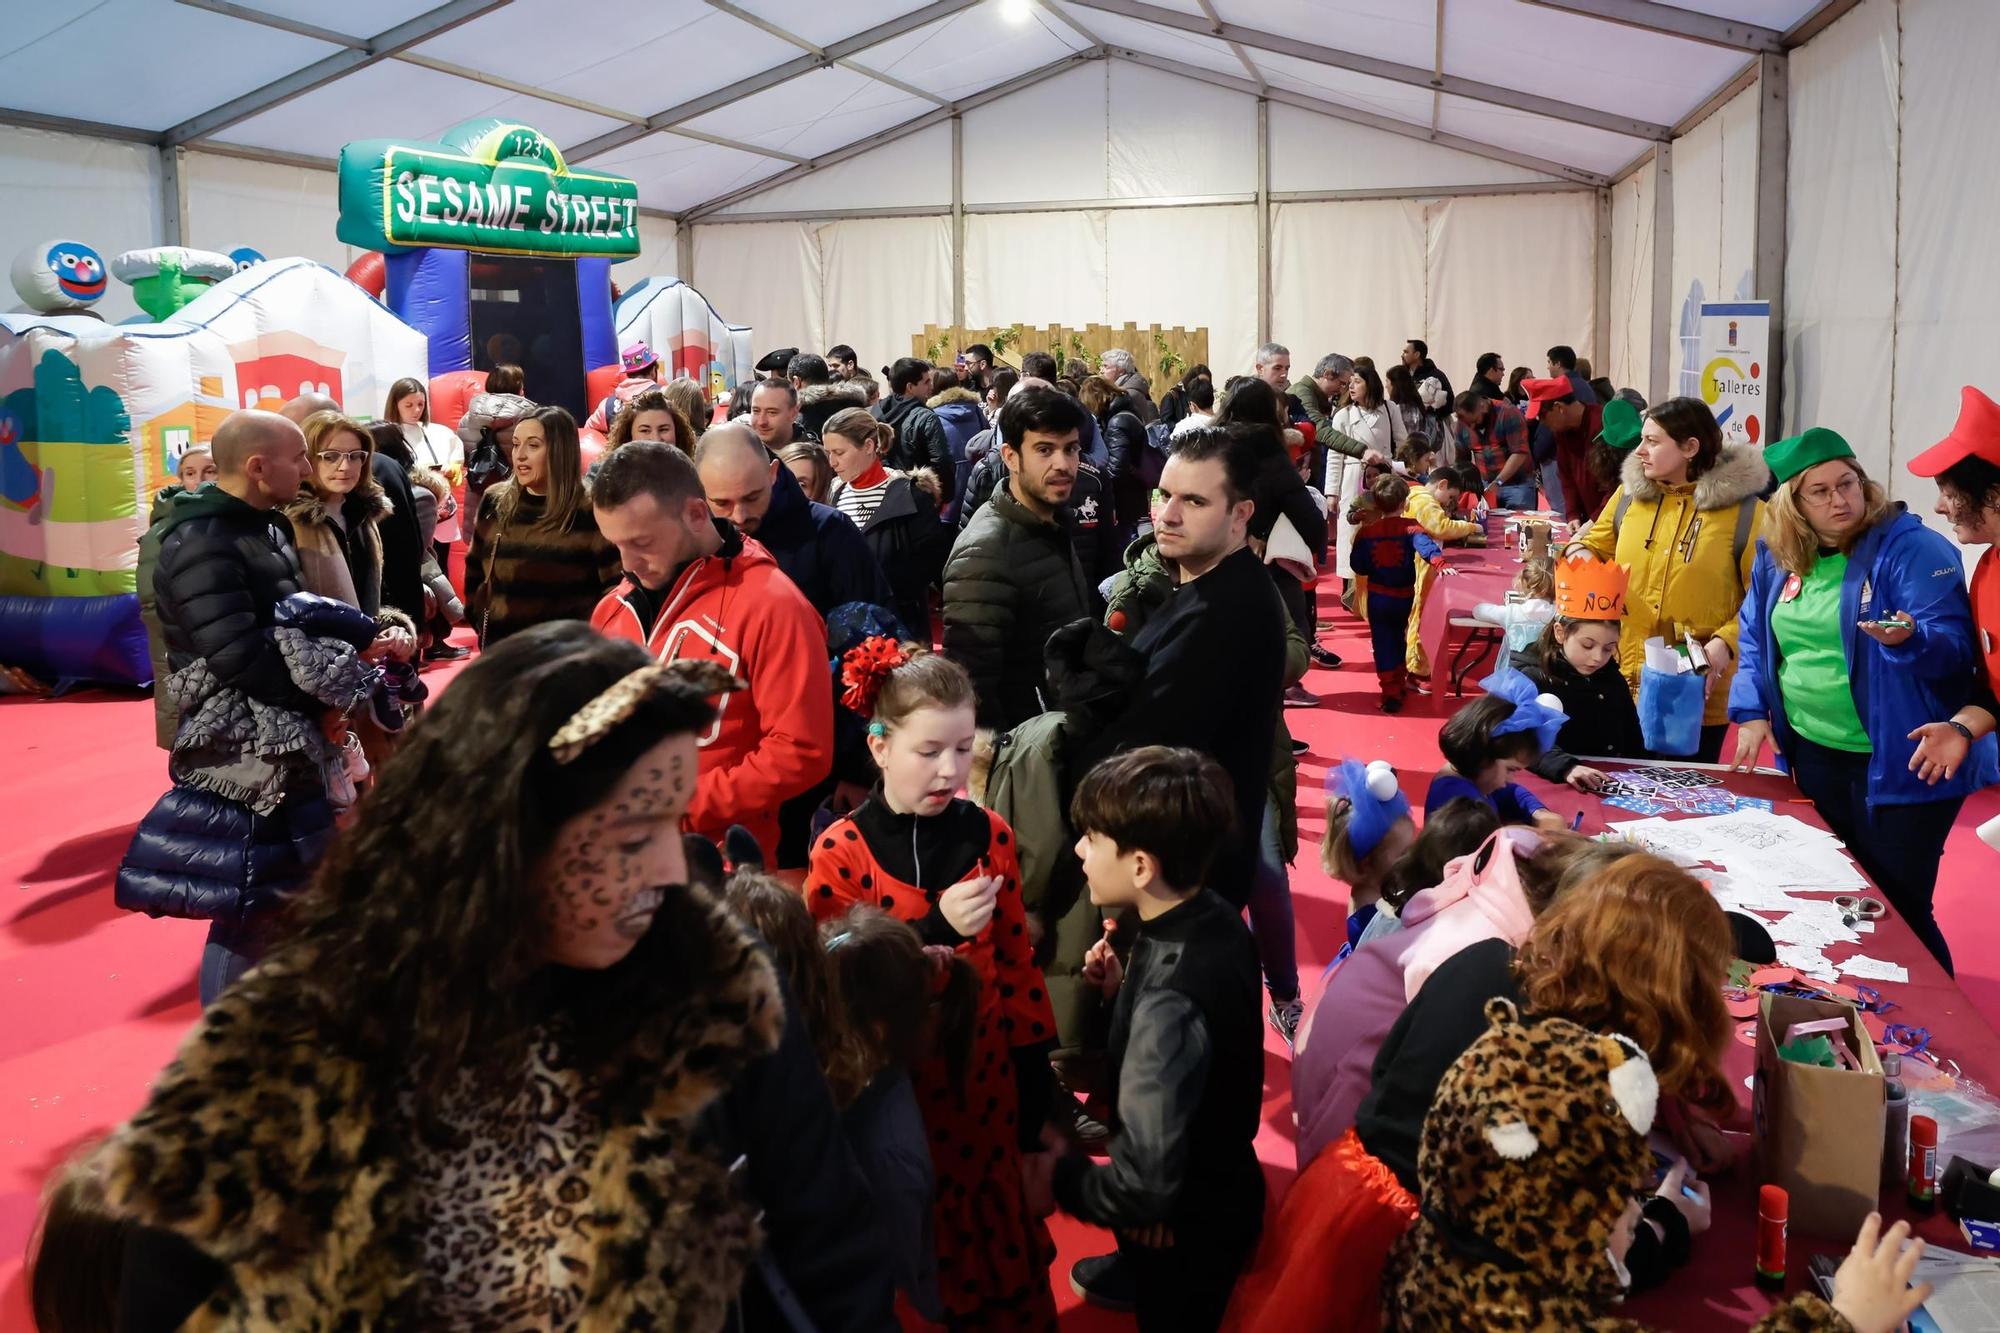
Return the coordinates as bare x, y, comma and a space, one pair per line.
838, 940
877, 730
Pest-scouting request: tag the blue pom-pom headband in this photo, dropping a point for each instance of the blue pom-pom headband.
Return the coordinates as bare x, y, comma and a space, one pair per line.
1377, 801
1533, 711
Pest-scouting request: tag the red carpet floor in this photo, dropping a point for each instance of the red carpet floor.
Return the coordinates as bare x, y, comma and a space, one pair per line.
95, 1000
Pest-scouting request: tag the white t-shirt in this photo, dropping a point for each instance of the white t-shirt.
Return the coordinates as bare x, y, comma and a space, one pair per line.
441, 450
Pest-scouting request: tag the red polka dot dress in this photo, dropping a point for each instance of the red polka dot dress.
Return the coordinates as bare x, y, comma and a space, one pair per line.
993, 1255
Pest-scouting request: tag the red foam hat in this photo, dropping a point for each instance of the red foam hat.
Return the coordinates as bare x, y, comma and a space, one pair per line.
1977, 435
1541, 392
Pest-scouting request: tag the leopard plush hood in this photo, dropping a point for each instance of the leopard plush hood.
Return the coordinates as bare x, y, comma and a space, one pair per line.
1533, 1148
267, 1147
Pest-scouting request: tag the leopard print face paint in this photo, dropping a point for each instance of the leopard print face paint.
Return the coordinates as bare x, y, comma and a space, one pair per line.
610, 866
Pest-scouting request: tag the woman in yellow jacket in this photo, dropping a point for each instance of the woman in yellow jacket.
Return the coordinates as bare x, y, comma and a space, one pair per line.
1432, 506
1685, 518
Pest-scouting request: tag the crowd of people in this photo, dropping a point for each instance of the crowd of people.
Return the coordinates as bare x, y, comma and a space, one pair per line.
865, 831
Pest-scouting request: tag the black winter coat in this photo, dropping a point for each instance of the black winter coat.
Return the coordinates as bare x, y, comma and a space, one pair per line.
1096, 524
402, 541
1603, 720
222, 569
819, 549
920, 440
910, 544
1125, 444
204, 856
1011, 581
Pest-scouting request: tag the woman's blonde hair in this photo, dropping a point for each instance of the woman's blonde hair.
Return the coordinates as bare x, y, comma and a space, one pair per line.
324, 428
568, 496
1537, 580
859, 425
1795, 542
813, 454
685, 394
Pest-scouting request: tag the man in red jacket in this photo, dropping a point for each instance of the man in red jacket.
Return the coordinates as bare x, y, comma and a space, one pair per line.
694, 587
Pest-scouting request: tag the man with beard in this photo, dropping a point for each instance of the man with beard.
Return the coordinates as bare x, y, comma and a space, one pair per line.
1013, 577
1215, 651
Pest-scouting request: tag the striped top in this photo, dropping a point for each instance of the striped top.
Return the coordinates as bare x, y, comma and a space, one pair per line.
860, 502
516, 577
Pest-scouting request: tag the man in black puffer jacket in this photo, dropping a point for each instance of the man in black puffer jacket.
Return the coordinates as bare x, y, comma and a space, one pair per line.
209, 849
1013, 577
920, 437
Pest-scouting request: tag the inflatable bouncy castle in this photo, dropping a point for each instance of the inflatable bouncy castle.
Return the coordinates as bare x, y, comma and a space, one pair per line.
499, 252
94, 416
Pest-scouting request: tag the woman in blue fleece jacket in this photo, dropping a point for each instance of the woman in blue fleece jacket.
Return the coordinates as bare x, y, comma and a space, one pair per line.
1856, 630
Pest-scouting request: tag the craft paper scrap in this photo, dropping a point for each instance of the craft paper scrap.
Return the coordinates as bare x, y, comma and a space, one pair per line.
1808, 960
1874, 969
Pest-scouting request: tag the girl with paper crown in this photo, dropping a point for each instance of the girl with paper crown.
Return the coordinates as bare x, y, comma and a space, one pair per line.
1576, 660
1489, 740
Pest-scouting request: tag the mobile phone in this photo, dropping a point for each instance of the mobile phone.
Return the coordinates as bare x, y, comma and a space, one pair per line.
1888, 624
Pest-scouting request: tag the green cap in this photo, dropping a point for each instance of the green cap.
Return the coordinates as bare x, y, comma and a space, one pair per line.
1788, 458
1621, 425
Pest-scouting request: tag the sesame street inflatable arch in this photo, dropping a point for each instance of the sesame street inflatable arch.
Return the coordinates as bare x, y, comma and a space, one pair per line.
94, 418
500, 252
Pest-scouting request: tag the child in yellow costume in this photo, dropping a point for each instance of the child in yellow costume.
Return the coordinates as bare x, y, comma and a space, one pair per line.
1432, 506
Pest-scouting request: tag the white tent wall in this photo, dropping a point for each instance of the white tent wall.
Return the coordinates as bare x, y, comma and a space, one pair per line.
1347, 277
63, 186
278, 209
1513, 274
1631, 296
1715, 225
766, 275
883, 279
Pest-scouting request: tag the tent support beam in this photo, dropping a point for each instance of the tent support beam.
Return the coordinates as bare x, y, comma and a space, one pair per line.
379, 47
701, 211
1601, 288
90, 129
173, 196
684, 253
1369, 118
1492, 94
958, 221
1673, 21
1768, 280
1661, 347
785, 35
770, 78
1263, 221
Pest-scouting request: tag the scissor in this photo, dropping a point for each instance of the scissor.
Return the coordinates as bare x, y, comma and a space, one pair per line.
1853, 909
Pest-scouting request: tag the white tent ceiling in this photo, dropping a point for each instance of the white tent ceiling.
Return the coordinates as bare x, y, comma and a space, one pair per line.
702, 101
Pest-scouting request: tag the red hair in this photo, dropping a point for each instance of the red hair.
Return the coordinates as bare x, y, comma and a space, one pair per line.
1641, 949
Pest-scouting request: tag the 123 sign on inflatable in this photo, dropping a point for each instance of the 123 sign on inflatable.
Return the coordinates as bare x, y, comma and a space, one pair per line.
492, 186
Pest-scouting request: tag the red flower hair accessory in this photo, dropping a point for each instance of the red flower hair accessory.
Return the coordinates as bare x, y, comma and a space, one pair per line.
863, 670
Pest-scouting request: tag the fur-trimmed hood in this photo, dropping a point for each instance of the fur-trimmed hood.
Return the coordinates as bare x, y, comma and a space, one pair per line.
924, 479
1739, 473
954, 394
311, 510
266, 1145
840, 392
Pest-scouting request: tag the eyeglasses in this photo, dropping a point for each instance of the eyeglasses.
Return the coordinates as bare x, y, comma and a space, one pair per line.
1819, 495
335, 458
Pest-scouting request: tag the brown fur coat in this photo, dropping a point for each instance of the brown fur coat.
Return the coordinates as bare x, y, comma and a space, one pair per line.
264, 1145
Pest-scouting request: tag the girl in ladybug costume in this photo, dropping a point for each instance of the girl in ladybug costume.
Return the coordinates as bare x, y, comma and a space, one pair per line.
949, 868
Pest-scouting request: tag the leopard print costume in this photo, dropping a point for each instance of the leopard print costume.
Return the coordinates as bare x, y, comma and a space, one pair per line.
267, 1147
1530, 1154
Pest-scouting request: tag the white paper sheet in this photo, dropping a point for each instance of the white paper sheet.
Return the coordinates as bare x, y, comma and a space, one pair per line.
1874, 969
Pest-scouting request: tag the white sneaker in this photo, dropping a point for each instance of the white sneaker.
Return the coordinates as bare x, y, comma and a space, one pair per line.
1285, 1017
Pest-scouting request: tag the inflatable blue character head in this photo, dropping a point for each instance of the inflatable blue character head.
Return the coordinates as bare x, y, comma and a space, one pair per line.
55, 276
1539, 713
246, 257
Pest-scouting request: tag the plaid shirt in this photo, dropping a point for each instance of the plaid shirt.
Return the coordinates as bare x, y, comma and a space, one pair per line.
1505, 434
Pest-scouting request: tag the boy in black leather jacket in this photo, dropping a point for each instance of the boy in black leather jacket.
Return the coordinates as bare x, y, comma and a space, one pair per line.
1182, 1189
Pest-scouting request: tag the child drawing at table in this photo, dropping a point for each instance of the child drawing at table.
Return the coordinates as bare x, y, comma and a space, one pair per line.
1532, 608
1489, 740
1433, 505
1387, 552
1569, 661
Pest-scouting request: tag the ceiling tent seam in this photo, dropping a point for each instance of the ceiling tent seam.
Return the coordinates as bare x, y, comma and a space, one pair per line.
786, 35
303, 80
1673, 21
1391, 70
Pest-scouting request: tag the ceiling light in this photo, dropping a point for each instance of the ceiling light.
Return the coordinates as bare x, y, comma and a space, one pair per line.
1016, 11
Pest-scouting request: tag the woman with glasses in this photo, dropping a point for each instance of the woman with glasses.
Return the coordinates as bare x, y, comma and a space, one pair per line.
1856, 633
336, 517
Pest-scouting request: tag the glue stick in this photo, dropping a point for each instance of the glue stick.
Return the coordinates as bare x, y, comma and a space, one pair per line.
1895, 1119
1923, 1164
1774, 1209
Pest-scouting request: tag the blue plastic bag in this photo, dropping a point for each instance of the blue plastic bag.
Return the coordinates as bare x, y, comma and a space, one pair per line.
1670, 711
